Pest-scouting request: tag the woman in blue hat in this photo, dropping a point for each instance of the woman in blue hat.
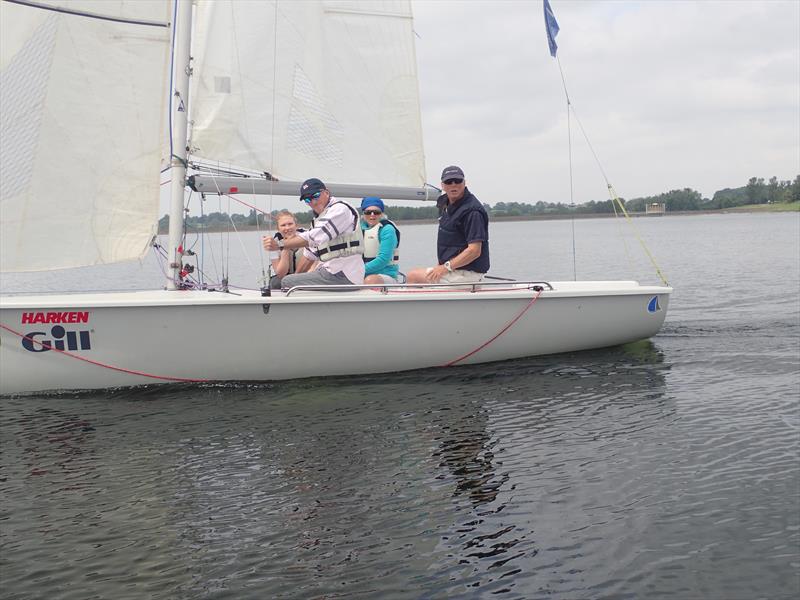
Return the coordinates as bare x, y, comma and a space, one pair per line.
381, 243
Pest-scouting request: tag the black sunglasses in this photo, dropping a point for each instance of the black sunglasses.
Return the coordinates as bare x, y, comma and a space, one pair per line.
373, 212
452, 181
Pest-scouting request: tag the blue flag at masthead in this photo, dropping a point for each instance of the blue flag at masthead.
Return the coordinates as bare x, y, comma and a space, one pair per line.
551, 25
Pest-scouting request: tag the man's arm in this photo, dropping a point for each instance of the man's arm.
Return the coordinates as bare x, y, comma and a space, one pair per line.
337, 220
466, 256
304, 264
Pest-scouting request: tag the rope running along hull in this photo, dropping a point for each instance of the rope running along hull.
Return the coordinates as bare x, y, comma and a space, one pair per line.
96, 341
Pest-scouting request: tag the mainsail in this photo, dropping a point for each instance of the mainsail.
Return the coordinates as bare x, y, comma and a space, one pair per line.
83, 88
299, 89
320, 88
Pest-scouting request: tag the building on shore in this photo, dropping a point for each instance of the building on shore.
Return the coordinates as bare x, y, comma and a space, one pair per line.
655, 209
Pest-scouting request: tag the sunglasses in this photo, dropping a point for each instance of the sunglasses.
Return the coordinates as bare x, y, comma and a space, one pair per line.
310, 199
372, 213
452, 181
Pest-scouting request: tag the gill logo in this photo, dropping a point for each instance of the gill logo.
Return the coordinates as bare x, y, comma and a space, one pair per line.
61, 340
57, 337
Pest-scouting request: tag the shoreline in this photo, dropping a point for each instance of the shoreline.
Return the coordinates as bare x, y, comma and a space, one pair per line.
792, 208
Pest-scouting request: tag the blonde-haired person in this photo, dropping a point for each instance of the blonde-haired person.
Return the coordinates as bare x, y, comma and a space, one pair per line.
288, 261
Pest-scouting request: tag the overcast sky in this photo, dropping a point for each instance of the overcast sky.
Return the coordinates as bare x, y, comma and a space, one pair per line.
672, 94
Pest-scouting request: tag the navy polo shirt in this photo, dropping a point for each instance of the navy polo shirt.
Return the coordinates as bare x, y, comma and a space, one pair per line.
460, 224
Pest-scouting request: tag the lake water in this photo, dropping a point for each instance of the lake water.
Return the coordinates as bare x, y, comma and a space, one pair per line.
663, 469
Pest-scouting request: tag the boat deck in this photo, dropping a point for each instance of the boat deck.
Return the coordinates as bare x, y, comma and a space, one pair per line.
395, 292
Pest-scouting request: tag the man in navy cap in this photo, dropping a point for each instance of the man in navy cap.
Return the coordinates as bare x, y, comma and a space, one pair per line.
462, 245
335, 240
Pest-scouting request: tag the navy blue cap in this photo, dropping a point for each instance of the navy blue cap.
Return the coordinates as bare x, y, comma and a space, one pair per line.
372, 201
311, 187
452, 172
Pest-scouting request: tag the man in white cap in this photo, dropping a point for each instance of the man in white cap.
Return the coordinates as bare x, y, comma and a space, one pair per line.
462, 245
335, 240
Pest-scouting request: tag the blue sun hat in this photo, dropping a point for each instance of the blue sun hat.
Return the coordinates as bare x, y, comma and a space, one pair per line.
372, 201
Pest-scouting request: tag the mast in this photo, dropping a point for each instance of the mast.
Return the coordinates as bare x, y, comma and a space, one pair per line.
179, 96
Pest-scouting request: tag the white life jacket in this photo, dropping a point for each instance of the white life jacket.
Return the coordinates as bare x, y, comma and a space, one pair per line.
372, 242
348, 243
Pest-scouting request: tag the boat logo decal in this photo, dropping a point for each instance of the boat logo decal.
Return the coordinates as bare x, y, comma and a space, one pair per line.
55, 317
57, 337
653, 306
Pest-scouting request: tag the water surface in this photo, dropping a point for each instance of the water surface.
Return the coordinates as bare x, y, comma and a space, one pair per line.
663, 469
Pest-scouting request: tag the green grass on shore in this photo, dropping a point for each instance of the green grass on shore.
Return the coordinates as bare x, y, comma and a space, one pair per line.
777, 207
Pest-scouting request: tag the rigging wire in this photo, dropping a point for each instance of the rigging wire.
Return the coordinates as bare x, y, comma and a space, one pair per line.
226, 270
622, 236
615, 200
238, 237
274, 101
571, 178
201, 261
171, 78
237, 53
266, 273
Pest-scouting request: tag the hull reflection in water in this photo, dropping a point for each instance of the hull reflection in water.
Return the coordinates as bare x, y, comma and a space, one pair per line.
435, 482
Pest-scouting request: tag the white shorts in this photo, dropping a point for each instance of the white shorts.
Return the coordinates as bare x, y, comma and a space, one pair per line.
459, 276
386, 278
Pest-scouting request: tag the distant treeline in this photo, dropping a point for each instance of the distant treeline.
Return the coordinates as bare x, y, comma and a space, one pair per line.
757, 191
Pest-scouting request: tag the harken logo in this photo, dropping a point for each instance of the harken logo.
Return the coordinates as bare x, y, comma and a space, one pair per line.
55, 317
57, 337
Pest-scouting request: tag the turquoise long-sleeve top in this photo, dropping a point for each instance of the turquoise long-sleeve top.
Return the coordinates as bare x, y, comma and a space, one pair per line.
380, 265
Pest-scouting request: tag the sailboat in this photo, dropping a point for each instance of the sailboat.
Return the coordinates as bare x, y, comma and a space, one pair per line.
282, 91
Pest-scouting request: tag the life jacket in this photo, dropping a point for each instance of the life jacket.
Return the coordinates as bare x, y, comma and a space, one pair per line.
348, 243
372, 242
296, 254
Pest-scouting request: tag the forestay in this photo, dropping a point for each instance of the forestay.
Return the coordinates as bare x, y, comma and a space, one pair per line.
339, 102
82, 116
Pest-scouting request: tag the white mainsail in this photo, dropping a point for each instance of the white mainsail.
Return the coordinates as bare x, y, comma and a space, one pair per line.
309, 89
83, 88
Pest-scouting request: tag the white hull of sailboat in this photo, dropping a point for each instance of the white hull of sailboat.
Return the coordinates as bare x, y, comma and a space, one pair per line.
96, 341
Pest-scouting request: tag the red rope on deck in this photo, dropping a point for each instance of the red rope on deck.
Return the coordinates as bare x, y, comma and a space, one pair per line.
499, 333
104, 365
